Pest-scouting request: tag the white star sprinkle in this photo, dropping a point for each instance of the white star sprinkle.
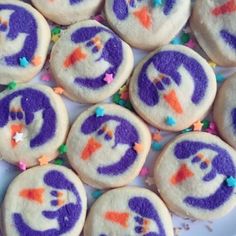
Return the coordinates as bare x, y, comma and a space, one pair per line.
18, 137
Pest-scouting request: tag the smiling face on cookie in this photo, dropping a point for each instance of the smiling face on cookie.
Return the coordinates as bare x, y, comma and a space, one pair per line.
172, 82
30, 123
129, 211
58, 200
108, 150
200, 165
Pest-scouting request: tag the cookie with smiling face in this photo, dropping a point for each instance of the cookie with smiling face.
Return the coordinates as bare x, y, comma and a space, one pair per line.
108, 145
66, 12
90, 62
145, 24
225, 111
192, 174
33, 122
129, 211
172, 88
49, 200
213, 23
24, 41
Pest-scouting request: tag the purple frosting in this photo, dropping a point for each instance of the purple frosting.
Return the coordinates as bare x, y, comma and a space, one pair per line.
112, 52
125, 133
222, 164
168, 63
32, 101
229, 38
233, 116
66, 216
72, 2
145, 209
21, 22
121, 7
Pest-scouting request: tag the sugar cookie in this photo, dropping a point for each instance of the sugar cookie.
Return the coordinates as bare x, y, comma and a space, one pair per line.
108, 145
90, 62
191, 175
172, 88
33, 122
213, 23
225, 111
66, 12
49, 200
129, 211
24, 41
145, 24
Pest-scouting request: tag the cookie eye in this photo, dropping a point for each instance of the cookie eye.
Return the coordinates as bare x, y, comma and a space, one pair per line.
203, 165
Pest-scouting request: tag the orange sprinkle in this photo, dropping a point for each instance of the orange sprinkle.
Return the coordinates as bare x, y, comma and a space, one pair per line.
138, 147
173, 101
197, 126
144, 17
181, 175
110, 133
58, 90
76, 56
43, 160
15, 129
92, 146
36, 61
60, 202
157, 137
120, 218
34, 194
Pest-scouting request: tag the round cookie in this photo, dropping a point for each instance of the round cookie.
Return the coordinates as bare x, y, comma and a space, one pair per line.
49, 200
191, 175
145, 24
33, 122
66, 12
225, 111
213, 23
24, 41
108, 145
128, 211
90, 62
172, 88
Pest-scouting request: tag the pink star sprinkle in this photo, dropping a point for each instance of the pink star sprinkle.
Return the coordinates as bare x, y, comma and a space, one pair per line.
125, 96
22, 166
144, 172
191, 43
108, 78
46, 77
98, 18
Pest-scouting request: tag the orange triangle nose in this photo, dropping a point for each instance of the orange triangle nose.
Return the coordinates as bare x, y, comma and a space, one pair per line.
34, 194
76, 56
181, 175
144, 17
120, 218
173, 101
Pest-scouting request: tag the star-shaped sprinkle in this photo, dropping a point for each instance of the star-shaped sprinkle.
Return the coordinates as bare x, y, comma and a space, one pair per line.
212, 64
157, 137
191, 43
43, 160
156, 146
59, 161
96, 194
220, 78
12, 85
170, 121
63, 149
22, 166
125, 96
36, 61
100, 112
56, 30
123, 89
231, 181
46, 77
197, 126
149, 181
138, 147
55, 37
23, 62
176, 41
144, 172
157, 3
18, 137
108, 78
58, 90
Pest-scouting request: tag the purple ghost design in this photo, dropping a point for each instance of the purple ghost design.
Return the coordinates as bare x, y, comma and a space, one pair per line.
229, 38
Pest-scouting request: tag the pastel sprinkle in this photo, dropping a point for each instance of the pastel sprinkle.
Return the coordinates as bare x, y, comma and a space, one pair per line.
98, 18
157, 137
96, 194
191, 43
59, 161
36, 61
231, 181
185, 38
22, 166
125, 96
144, 172
108, 78
43, 160
212, 64
55, 38
219, 78
122, 102
46, 77
149, 181
205, 124
12, 85
58, 90
197, 126
176, 41
186, 130
170, 121
156, 146
63, 149
123, 89
56, 30
23, 62
138, 147
100, 112
157, 3
116, 98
